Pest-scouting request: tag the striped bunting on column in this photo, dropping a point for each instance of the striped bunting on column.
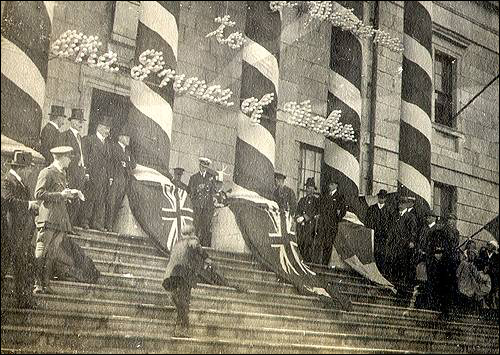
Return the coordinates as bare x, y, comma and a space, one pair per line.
416, 99
26, 29
341, 159
160, 209
267, 231
255, 145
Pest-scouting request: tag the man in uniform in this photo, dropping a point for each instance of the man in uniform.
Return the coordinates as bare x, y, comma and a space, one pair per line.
96, 154
18, 208
284, 196
76, 169
332, 208
178, 172
53, 220
378, 218
307, 221
50, 136
122, 164
201, 190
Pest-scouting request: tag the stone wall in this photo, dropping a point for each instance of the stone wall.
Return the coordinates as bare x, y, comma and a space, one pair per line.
465, 157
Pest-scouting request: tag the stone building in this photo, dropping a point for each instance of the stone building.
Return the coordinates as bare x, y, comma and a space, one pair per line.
465, 55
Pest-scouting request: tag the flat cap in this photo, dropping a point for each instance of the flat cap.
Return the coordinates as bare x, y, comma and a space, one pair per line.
61, 150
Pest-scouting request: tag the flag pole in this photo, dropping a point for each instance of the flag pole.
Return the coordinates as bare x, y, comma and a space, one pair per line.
471, 237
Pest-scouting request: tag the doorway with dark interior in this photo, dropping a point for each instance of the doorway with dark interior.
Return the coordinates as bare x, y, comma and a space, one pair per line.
106, 103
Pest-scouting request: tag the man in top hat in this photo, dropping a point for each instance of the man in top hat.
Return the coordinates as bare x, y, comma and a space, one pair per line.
177, 180
53, 220
283, 195
201, 190
18, 209
97, 160
122, 164
50, 136
332, 208
401, 246
307, 221
220, 196
379, 217
76, 169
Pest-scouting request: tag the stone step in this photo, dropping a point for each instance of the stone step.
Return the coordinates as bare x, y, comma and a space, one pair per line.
134, 275
68, 341
106, 251
157, 265
327, 335
73, 295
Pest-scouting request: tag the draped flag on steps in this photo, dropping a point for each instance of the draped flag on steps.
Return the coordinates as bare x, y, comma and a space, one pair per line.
269, 235
168, 210
354, 244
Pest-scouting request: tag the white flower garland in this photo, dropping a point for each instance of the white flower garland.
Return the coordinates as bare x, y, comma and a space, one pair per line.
252, 107
84, 48
345, 19
234, 40
300, 115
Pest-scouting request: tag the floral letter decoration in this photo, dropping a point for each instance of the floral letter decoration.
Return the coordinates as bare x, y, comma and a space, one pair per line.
234, 40
252, 107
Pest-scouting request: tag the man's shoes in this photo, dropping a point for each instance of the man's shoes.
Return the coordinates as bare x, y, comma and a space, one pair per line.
38, 290
47, 290
85, 226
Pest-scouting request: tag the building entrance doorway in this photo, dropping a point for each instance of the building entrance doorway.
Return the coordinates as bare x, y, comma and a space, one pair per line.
106, 103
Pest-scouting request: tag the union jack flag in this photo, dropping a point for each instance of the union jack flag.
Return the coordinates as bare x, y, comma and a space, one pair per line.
177, 214
284, 240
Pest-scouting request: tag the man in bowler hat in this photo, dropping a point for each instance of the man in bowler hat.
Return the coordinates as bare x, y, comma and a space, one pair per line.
50, 136
332, 209
307, 221
201, 190
122, 164
76, 169
52, 220
378, 218
97, 159
18, 210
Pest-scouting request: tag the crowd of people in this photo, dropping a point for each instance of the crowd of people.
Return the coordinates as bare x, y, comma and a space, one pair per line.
86, 179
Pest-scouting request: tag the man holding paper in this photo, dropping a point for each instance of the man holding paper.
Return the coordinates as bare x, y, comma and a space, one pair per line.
53, 221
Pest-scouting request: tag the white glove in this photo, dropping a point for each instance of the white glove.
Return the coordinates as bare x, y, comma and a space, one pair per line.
300, 219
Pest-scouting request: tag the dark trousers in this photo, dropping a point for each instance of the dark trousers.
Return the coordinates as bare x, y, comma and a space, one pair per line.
328, 234
18, 254
76, 180
379, 250
96, 192
116, 194
305, 238
203, 223
181, 296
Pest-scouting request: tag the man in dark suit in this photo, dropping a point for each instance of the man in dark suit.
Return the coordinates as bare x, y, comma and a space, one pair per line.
18, 208
201, 190
378, 218
307, 221
76, 169
401, 246
96, 154
53, 220
122, 164
177, 180
283, 195
332, 209
50, 136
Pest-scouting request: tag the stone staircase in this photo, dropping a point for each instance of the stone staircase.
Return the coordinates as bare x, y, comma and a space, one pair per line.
129, 312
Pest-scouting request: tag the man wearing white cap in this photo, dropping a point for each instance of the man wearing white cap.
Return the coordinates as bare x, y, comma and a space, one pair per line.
53, 221
201, 189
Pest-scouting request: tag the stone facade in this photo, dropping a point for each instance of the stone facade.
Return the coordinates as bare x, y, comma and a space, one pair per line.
465, 157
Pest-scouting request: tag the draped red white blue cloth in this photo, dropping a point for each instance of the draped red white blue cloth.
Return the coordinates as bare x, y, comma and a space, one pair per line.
159, 207
26, 29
